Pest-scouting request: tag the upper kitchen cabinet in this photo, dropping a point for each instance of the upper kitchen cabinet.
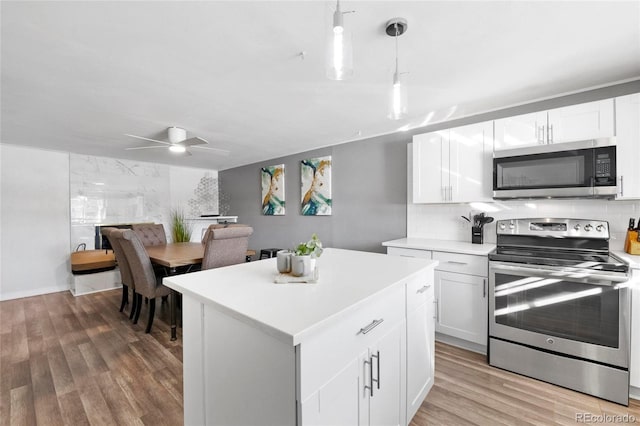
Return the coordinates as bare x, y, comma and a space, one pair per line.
520, 130
628, 146
453, 165
589, 120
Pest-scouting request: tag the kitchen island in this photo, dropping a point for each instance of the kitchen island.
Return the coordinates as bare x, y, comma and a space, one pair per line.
356, 347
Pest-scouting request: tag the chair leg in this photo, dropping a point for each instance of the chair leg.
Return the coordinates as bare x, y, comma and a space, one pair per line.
125, 297
134, 305
135, 319
152, 311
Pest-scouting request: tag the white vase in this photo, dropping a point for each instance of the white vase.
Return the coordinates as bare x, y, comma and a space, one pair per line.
300, 265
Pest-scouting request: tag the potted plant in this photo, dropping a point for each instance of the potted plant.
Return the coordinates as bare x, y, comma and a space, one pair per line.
180, 228
304, 257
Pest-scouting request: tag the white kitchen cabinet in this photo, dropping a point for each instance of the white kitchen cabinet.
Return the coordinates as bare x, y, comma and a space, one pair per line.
589, 120
628, 146
420, 342
461, 309
453, 165
520, 130
634, 367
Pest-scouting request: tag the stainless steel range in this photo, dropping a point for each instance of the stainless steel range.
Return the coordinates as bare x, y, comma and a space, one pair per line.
559, 306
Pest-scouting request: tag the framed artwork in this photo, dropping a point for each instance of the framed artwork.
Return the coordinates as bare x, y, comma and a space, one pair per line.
315, 176
272, 179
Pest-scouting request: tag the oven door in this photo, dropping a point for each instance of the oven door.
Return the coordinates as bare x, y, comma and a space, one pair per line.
563, 310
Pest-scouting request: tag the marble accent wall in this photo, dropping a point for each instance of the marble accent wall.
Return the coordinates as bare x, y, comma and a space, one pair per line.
443, 221
110, 191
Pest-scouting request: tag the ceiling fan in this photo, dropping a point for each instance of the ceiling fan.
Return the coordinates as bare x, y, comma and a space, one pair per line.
177, 143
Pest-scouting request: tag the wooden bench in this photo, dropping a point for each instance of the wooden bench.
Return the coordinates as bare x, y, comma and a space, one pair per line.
89, 261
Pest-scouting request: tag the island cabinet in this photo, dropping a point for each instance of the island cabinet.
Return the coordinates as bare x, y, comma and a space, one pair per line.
347, 350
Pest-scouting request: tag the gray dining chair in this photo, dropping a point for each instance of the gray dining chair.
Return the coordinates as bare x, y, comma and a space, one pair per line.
150, 234
114, 235
226, 246
144, 277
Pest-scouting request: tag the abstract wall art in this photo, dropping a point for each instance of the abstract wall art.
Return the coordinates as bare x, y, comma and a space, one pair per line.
272, 178
315, 176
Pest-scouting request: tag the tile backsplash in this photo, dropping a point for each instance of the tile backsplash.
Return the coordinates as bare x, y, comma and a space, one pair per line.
443, 221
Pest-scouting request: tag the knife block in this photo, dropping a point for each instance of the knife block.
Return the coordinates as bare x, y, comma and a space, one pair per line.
477, 236
631, 243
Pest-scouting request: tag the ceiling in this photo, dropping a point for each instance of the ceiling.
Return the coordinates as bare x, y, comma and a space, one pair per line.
76, 76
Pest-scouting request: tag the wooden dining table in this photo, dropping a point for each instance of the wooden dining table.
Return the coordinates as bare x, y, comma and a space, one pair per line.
175, 255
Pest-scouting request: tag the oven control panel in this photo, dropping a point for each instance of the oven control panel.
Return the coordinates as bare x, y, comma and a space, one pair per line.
550, 227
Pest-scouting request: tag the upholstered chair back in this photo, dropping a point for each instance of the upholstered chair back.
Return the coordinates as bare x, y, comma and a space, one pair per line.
141, 268
226, 246
219, 226
115, 235
150, 234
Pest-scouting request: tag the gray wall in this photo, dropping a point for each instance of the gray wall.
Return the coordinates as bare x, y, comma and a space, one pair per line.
369, 185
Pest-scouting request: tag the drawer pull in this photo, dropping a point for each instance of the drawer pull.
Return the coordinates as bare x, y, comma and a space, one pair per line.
423, 289
368, 328
456, 263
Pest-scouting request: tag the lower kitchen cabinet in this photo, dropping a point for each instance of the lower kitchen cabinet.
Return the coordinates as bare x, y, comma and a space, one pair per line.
634, 367
461, 306
420, 343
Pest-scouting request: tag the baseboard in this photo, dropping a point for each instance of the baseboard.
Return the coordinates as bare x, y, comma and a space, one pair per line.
634, 392
30, 293
460, 343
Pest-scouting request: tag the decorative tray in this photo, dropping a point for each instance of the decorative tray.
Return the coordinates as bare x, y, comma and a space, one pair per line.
292, 279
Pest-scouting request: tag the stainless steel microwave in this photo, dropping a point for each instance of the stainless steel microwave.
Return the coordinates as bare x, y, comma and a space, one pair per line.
585, 169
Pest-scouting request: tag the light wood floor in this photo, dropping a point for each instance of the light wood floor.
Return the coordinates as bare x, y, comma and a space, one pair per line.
74, 361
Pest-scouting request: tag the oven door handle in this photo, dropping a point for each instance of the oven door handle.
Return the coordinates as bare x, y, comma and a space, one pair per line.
569, 274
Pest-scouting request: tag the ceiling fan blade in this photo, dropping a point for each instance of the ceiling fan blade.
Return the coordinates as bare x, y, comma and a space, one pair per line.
145, 147
147, 139
194, 141
216, 150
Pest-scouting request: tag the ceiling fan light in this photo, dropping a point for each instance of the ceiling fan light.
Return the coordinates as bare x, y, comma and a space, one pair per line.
177, 149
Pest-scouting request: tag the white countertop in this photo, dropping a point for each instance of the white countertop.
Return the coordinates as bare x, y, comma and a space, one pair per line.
632, 260
290, 312
462, 247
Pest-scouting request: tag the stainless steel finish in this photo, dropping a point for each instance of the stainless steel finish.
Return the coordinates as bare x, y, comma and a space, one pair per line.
423, 289
522, 227
437, 302
453, 262
588, 227
621, 186
566, 146
484, 288
370, 387
582, 192
368, 328
612, 356
595, 379
435, 310
599, 228
377, 357
573, 274
551, 133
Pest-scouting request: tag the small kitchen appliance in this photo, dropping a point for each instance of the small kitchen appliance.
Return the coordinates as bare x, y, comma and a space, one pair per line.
559, 305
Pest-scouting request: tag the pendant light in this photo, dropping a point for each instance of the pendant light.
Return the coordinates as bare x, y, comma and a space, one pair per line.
398, 104
339, 51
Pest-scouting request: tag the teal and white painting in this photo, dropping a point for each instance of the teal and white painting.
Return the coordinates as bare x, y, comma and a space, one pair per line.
273, 190
315, 175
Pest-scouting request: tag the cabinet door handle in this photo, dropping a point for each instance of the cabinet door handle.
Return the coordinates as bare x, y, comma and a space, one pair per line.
453, 262
437, 302
423, 289
622, 186
368, 328
541, 135
551, 133
377, 357
370, 386
484, 288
